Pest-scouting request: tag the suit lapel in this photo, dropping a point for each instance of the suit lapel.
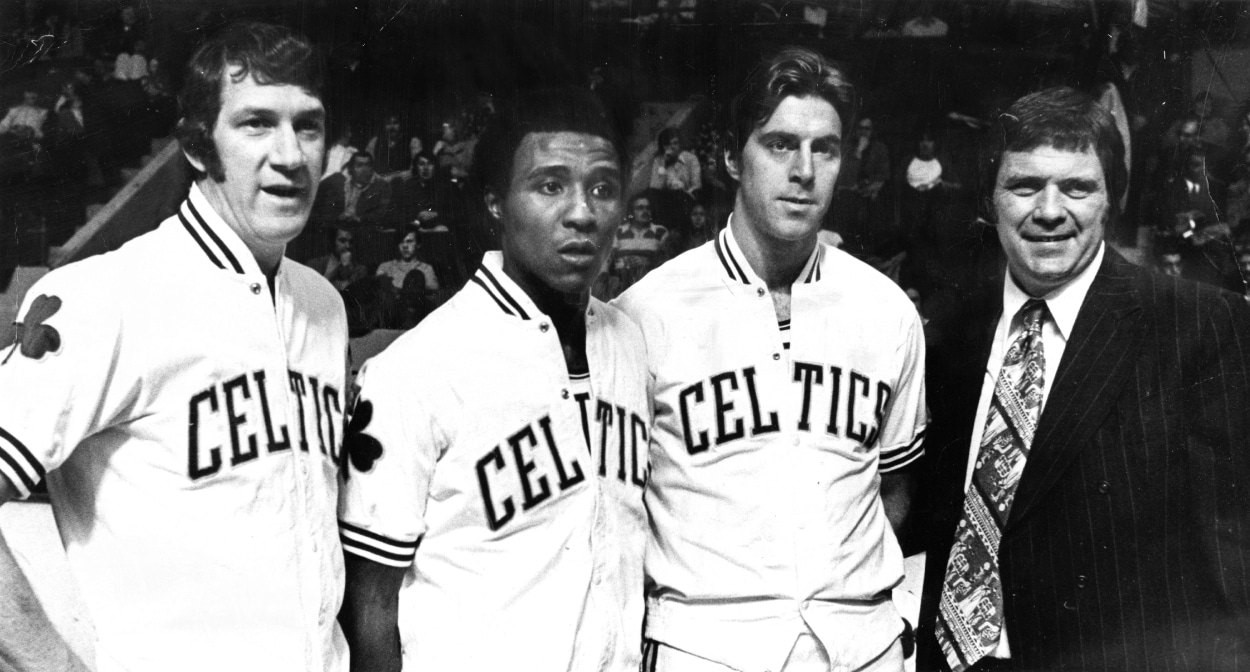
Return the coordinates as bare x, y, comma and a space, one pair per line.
1096, 363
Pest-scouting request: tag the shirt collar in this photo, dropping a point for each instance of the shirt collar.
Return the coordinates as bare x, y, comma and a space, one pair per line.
734, 263
220, 245
1063, 303
510, 298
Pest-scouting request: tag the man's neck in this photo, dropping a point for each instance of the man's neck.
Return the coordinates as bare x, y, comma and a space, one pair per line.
777, 262
566, 311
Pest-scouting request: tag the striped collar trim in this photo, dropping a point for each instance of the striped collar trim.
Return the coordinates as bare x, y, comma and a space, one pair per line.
215, 239
733, 261
500, 288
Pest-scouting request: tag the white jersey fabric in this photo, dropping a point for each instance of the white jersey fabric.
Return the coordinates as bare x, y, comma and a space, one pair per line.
765, 461
188, 422
514, 501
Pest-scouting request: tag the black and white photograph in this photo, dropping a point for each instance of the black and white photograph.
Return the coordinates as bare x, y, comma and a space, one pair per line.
625, 335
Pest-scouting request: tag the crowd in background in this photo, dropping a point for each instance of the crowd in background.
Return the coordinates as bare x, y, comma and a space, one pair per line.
397, 226
84, 106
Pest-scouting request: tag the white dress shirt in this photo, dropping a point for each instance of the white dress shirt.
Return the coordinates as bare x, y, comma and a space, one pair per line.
1062, 305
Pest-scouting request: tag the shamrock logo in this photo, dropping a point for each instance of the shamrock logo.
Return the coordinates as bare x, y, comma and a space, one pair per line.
36, 338
363, 450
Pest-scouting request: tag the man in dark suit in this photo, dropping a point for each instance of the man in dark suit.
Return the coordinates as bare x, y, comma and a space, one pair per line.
1090, 476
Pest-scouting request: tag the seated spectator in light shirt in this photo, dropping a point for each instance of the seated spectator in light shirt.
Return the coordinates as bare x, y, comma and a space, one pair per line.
25, 120
339, 154
359, 196
131, 66
673, 168
639, 243
397, 270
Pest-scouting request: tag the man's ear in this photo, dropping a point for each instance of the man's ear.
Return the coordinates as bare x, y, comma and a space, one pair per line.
494, 205
197, 163
731, 166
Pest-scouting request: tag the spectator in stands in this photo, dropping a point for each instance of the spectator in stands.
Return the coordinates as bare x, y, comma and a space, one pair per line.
26, 120
131, 63
1200, 125
1191, 218
454, 151
1169, 260
68, 110
924, 184
673, 168
393, 149
408, 285
699, 230
359, 196
640, 243
925, 23
1193, 198
425, 200
339, 154
397, 270
340, 266
858, 205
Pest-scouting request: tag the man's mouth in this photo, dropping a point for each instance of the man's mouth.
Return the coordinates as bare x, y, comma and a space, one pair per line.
797, 200
283, 191
578, 248
1047, 238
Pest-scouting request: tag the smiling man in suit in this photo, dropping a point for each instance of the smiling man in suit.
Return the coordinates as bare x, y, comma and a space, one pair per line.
1089, 436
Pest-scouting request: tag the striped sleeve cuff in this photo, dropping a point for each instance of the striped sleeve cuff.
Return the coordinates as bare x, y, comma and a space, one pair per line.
19, 464
899, 457
373, 546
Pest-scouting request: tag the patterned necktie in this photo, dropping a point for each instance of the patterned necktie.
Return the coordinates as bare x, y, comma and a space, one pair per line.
970, 614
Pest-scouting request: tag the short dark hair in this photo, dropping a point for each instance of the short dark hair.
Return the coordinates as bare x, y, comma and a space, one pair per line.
332, 234
539, 111
647, 194
270, 54
404, 231
423, 154
667, 135
793, 71
1063, 118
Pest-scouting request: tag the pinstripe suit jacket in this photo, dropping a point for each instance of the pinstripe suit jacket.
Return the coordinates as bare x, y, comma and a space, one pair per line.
1128, 543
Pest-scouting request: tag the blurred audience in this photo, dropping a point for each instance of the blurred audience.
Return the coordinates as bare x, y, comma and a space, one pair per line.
674, 168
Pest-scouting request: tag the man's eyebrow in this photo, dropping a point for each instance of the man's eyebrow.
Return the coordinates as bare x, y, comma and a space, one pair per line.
251, 110
796, 138
1086, 183
551, 170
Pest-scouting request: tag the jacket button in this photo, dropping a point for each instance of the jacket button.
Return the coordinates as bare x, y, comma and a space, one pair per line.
1080, 581
543, 327
759, 292
255, 288
1104, 487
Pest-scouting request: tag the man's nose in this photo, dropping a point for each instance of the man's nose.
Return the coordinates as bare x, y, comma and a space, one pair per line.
801, 168
1049, 206
286, 151
581, 214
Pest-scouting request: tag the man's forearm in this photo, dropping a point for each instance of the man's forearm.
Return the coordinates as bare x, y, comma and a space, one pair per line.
28, 642
370, 616
896, 494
